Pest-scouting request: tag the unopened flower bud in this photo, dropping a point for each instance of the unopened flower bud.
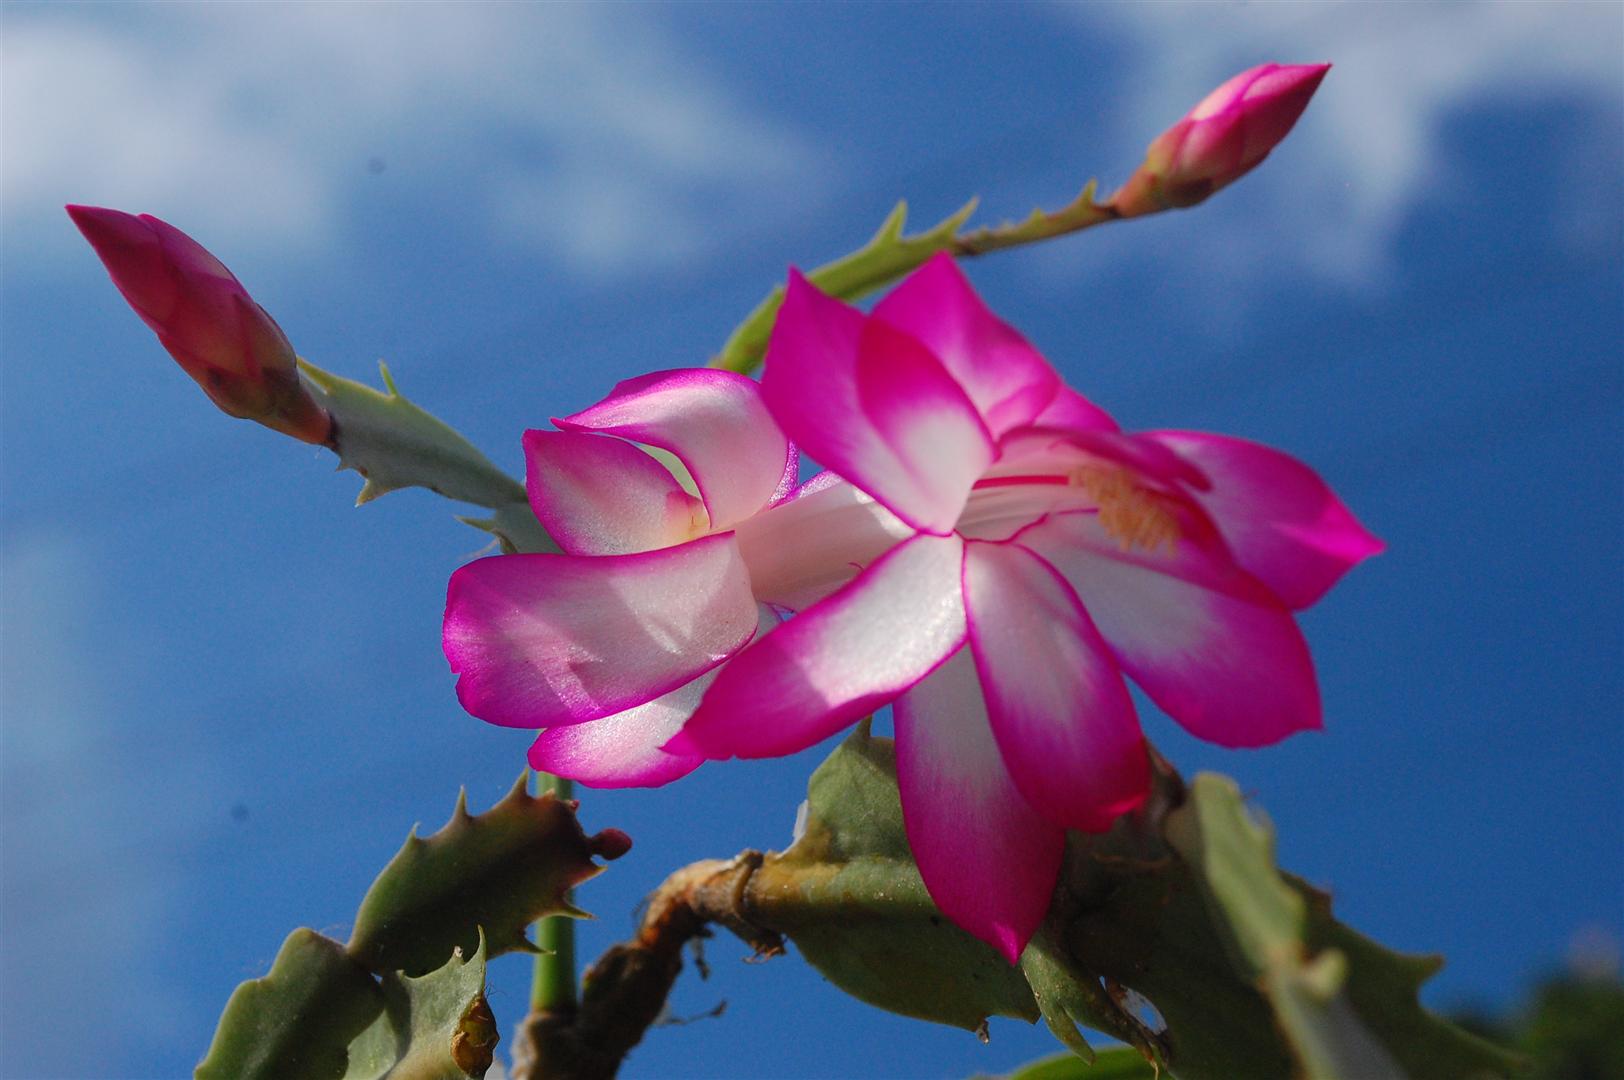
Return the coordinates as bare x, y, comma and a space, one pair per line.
206, 319
1221, 139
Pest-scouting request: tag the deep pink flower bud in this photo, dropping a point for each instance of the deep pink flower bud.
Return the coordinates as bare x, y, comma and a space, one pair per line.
206, 319
1221, 139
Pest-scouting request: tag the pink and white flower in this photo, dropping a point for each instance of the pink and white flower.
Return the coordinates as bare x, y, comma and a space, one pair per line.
1045, 557
672, 562
997, 561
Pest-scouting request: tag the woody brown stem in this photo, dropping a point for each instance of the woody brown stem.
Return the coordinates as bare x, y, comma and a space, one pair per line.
625, 991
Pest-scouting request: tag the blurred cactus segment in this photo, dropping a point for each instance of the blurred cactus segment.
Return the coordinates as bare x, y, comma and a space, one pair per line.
438, 1026
500, 870
1068, 996
1347, 1006
1119, 1064
848, 894
1173, 933
297, 1020
515, 528
1263, 922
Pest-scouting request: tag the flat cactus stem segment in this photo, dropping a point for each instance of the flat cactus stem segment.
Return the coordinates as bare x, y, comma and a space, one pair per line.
501, 870
1334, 1003
393, 443
848, 894
1123, 1063
1160, 908
298, 1019
1263, 922
516, 530
436, 1027
889, 254
332, 1012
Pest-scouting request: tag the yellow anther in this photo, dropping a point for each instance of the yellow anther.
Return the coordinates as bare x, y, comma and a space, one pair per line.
1132, 514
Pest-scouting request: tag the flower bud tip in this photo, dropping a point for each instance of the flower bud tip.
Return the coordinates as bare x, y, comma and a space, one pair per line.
1226, 135
205, 318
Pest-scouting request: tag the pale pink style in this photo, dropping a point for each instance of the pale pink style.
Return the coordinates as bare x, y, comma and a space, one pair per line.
668, 568
1046, 556
206, 319
1222, 139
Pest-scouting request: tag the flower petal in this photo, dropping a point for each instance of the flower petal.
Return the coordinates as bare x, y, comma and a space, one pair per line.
1209, 643
790, 482
1035, 474
988, 859
540, 640
872, 403
714, 421
1284, 524
1057, 703
815, 541
599, 495
1045, 470
839, 660
1071, 411
1043, 449
134, 254
1006, 379
623, 750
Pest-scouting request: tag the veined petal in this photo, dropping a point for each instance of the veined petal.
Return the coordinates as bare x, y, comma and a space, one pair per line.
1210, 644
871, 403
839, 660
540, 640
1057, 703
714, 421
815, 541
1042, 448
988, 859
623, 750
1148, 458
1006, 379
1282, 522
599, 495
928, 420
790, 482
1043, 470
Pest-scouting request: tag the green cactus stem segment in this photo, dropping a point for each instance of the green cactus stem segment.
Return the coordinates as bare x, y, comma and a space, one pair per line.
494, 874
552, 983
1264, 923
889, 255
393, 443
1180, 903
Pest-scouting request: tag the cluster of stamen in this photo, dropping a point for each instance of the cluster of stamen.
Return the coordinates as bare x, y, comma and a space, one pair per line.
1133, 515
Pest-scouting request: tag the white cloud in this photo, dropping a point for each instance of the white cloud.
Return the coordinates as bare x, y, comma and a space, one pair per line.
597, 217
582, 128
1369, 150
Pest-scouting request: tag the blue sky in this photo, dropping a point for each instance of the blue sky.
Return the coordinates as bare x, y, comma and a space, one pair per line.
224, 702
